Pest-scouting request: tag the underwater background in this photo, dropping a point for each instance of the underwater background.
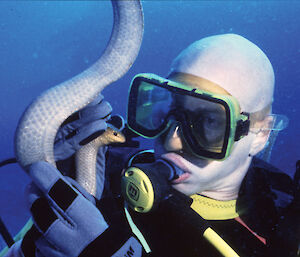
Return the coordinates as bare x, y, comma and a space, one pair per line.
43, 43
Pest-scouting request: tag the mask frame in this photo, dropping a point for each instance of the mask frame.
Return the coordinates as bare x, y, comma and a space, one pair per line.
236, 127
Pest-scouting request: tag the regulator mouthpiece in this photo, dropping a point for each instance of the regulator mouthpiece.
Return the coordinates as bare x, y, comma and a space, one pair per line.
144, 185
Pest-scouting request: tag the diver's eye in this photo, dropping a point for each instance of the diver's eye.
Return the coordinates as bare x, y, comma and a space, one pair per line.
158, 118
206, 121
211, 122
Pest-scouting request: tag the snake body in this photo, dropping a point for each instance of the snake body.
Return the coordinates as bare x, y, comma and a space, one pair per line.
37, 128
86, 158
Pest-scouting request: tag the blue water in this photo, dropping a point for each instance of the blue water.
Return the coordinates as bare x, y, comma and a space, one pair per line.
44, 43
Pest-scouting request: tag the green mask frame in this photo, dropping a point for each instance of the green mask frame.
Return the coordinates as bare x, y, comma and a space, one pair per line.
209, 123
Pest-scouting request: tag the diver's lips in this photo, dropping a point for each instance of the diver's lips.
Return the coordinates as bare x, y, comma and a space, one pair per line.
181, 178
176, 159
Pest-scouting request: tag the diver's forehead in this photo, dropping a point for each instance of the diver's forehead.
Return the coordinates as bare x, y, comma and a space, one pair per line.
194, 103
199, 105
197, 82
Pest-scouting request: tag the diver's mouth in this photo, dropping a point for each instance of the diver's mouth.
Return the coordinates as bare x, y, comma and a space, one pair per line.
181, 178
182, 172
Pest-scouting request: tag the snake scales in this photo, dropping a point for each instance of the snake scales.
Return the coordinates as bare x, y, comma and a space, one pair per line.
37, 128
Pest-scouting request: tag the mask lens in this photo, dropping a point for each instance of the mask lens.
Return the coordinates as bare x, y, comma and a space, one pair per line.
153, 105
208, 125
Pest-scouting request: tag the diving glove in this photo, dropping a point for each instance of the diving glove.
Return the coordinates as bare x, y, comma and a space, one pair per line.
80, 127
65, 220
67, 223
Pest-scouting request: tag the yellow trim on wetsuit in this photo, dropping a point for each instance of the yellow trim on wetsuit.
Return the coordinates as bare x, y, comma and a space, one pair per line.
211, 209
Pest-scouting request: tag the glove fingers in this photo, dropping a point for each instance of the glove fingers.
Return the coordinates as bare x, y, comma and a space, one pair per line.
73, 142
48, 248
50, 181
44, 175
43, 214
95, 112
89, 132
82, 223
77, 209
50, 212
81, 190
88, 114
61, 195
63, 211
33, 193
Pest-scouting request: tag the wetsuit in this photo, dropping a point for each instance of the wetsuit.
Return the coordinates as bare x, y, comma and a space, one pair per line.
268, 224
264, 228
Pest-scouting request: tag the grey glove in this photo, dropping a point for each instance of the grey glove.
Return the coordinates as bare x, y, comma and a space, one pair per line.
81, 128
66, 220
68, 224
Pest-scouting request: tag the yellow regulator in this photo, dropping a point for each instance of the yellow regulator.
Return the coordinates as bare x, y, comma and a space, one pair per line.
145, 185
137, 190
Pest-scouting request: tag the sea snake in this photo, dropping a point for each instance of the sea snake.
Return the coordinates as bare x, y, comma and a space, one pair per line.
86, 158
37, 128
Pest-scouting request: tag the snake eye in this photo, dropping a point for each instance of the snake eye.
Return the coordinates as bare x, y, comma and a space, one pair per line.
115, 133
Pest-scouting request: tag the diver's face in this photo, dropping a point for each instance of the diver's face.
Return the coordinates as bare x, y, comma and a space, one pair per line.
216, 179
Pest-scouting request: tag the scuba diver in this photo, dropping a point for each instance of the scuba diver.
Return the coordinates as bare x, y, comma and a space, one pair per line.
200, 192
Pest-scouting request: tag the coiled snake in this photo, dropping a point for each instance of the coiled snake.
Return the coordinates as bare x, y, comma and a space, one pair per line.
37, 128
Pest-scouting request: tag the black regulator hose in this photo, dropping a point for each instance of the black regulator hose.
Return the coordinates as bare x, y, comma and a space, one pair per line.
5, 234
8, 161
3, 229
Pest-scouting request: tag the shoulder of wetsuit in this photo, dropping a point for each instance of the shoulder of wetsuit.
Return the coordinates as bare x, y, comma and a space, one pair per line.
257, 201
286, 236
270, 196
282, 186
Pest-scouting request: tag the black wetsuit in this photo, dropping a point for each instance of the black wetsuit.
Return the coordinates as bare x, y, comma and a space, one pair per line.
265, 191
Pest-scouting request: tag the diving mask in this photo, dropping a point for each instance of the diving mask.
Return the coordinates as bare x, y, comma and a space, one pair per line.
208, 123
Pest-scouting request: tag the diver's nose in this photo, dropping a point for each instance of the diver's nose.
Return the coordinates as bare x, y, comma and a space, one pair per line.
173, 141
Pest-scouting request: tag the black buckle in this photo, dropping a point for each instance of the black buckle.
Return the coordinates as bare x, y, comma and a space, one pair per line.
242, 127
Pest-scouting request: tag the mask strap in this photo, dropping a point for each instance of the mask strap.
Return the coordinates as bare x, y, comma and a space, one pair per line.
242, 126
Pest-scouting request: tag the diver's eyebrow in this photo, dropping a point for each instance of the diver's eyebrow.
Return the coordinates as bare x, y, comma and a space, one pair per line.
209, 109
